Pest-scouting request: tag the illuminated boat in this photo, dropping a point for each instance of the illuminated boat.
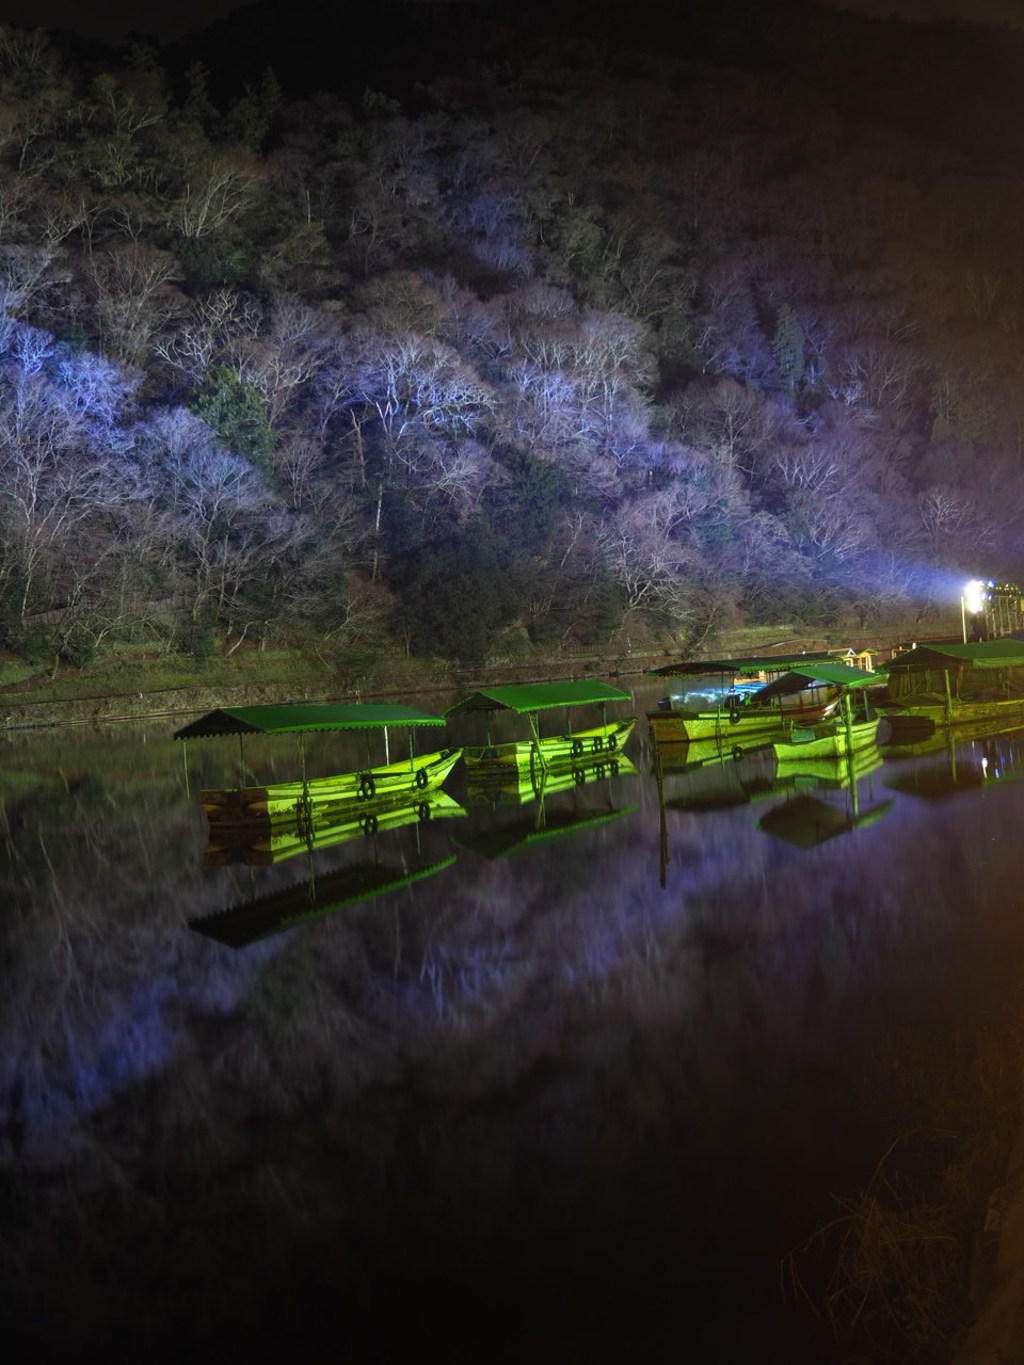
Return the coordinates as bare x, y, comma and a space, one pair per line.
957, 684
831, 739
853, 727
565, 748
388, 783
723, 713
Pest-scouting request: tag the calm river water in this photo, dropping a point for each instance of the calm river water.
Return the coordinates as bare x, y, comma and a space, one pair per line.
570, 1097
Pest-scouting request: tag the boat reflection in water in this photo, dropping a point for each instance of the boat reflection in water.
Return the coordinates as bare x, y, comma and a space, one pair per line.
547, 821
956, 764
266, 844
822, 794
701, 776
310, 832
277, 911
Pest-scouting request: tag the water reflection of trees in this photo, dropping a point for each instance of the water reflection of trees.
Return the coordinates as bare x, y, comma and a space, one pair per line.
516, 1046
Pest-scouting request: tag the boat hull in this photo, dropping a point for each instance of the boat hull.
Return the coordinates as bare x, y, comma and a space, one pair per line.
831, 739
366, 788
725, 726
956, 712
576, 748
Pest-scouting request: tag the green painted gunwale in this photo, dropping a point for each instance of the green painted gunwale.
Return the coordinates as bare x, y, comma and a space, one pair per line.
391, 782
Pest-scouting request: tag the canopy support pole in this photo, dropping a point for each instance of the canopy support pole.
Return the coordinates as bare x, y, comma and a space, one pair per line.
535, 731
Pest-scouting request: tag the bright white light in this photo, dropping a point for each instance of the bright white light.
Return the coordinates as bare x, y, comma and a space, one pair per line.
974, 595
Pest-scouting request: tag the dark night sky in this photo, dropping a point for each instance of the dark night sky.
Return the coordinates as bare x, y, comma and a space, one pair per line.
110, 19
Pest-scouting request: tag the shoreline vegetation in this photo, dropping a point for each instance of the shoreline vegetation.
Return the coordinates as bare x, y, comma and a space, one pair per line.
147, 682
536, 345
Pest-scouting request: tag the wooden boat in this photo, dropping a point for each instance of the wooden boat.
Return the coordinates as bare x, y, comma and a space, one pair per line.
853, 728
812, 686
262, 845
831, 739
957, 684
367, 788
564, 748
388, 783
263, 916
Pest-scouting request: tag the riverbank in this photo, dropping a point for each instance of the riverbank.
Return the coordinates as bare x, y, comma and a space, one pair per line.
137, 682
156, 690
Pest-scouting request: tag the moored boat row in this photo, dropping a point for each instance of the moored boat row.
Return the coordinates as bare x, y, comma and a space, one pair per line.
393, 782
802, 705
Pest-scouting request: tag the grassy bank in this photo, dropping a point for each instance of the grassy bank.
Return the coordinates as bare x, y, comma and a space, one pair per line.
141, 680
136, 684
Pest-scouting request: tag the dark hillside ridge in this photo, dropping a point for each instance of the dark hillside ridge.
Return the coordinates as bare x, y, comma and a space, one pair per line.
956, 83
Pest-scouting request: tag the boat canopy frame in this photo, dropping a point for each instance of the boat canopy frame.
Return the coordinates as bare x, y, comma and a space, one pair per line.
1004, 652
763, 663
526, 698
832, 674
303, 718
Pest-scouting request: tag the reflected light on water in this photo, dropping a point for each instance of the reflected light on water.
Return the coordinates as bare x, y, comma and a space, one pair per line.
590, 1079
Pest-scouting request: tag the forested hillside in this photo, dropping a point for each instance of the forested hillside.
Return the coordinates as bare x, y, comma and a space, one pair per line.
556, 337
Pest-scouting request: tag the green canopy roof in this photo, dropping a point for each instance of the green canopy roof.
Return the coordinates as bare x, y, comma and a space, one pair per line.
1001, 653
526, 697
293, 720
836, 675
764, 663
